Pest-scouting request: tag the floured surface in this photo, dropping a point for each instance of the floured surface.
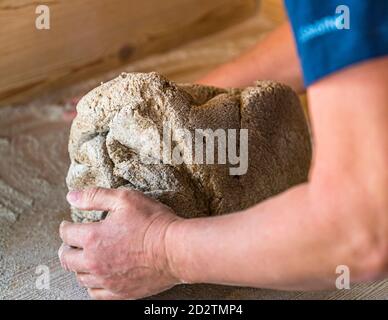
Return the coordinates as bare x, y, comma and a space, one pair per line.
32, 189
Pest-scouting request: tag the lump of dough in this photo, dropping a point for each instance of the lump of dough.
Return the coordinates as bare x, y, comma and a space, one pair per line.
118, 125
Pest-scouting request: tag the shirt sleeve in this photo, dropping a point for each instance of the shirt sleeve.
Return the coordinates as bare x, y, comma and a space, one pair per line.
334, 34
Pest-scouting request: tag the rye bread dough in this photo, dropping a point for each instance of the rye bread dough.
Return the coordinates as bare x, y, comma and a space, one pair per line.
113, 126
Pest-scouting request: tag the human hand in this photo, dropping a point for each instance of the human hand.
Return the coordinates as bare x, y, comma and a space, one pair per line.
123, 256
71, 112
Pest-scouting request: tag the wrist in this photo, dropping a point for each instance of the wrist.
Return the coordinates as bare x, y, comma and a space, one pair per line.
177, 251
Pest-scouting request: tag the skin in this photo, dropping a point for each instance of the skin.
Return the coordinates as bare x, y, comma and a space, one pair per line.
275, 58
293, 241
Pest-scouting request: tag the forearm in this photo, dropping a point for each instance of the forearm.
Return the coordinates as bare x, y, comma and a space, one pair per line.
282, 243
274, 58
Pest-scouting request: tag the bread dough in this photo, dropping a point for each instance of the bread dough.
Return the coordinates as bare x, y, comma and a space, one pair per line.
118, 122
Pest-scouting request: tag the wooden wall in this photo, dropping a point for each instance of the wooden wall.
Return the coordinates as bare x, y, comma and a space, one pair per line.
88, 37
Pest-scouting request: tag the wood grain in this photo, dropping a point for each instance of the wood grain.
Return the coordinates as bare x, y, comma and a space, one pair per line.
88, 37
188, 62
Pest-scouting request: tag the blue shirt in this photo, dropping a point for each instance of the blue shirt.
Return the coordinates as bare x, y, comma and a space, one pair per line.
334, 34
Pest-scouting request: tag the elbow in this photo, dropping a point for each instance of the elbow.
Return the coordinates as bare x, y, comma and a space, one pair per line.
356, 228
367, 256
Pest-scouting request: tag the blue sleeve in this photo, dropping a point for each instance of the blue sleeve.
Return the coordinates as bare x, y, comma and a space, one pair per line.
334, 34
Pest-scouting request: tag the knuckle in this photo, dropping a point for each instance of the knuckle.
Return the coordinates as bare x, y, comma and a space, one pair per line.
127, 194
92, 194
107, 283
98, 270
92, 265
91, 237
124, 194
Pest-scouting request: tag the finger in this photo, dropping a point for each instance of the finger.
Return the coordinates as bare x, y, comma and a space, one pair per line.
88, 280
102, 294
74, 101
72, 259
95, 199
76, 234
69, 115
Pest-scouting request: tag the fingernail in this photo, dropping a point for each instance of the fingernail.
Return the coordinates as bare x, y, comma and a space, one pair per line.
60, 250
73, 197
63, 223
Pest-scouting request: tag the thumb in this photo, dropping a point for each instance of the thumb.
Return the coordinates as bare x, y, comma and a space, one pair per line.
94, 199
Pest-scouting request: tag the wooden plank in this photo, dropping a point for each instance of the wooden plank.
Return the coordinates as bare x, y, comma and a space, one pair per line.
88, 37
189, 62
273, 10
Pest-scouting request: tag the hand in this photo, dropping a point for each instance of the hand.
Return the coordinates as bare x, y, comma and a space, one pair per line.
123, 256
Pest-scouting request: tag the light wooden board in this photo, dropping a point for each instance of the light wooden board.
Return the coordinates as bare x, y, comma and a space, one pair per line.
87, 37
190, 61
